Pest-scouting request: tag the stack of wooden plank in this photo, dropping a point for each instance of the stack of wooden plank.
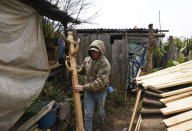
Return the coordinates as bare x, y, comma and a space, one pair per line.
176, 82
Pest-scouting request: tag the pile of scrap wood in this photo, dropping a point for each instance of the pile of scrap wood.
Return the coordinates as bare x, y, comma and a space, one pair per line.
168, 98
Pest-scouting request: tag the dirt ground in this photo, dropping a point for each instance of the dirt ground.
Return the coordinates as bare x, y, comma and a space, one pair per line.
117, 114
117, 117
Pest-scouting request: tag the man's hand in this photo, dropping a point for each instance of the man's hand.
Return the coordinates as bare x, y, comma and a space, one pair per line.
78, 88
67, 58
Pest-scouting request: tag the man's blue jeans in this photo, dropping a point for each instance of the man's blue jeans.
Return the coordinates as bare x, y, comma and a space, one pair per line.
92, 101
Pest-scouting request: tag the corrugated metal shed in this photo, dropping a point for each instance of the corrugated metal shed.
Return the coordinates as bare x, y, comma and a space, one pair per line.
111, 30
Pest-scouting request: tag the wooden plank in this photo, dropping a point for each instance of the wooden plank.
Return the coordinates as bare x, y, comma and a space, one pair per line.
113, 72
178, 118
172, 82
37, 117
135, 109
124, 60
137, 128
176, 97
175, 92
175, 83
167, 77
120, 64
183, 101
175, 109
166, 72
125, 52
181, 127
182, 66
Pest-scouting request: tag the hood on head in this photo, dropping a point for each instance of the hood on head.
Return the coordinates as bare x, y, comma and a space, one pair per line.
99, 45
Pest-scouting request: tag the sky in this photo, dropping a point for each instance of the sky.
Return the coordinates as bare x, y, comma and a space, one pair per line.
175, 15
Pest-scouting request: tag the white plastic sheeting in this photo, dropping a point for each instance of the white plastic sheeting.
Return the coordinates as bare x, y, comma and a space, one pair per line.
23, 60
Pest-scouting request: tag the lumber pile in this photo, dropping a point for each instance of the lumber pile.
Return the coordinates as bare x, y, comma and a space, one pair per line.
174, 103
173, 76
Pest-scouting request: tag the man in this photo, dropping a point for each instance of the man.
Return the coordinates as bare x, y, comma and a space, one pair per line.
97, 70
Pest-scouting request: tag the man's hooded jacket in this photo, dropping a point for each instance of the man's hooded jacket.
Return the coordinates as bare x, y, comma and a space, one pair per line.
97, 71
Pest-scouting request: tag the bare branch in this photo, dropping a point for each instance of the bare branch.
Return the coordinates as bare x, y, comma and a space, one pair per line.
75, 9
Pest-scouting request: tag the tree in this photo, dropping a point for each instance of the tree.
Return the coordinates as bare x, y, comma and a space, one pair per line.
77, 9
159, 53
178, 43
187, 46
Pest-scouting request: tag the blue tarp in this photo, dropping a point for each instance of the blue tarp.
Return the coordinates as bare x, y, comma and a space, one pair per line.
137, 58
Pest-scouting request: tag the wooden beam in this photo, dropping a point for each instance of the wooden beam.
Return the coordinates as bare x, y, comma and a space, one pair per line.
77, 101
175, 92
150, 48
176, 97
171, 82
176, 108
135, 109
37, 117
175, 83
167, 77
137, 128
182, 101
181, 66
186, 126
178, 119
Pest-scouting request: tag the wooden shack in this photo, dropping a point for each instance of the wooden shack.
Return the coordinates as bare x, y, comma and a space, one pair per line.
117, 48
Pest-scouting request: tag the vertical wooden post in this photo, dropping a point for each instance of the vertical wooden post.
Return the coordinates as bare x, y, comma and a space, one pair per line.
77, 102
135, 109
150, 47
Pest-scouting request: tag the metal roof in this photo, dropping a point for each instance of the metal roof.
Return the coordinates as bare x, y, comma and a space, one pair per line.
47, 9
111, 30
